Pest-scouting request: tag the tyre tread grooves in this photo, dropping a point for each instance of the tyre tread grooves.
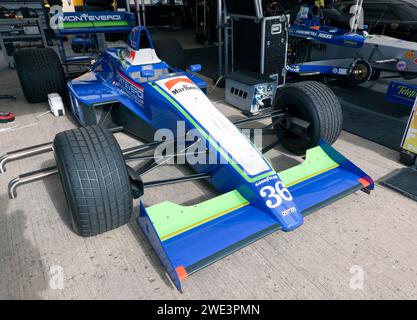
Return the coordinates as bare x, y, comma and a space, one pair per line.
95, 179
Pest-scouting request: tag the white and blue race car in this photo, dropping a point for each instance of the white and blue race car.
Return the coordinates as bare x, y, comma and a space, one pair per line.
319, 49
135, 88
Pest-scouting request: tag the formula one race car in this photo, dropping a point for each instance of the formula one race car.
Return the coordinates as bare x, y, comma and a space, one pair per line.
317, 49
137, 90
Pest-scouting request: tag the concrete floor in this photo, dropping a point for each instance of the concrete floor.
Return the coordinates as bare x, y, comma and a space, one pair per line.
37, 245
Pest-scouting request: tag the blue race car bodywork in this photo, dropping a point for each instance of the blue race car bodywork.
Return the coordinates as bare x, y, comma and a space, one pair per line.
254, 199
340, 53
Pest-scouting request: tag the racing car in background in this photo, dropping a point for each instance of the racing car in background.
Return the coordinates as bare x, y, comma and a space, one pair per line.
319, 49
136, 87
393, 18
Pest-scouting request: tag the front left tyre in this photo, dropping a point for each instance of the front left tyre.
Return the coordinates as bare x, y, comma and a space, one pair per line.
94, 178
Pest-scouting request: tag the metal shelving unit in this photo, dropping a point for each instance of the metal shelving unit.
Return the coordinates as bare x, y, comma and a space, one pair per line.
15, 31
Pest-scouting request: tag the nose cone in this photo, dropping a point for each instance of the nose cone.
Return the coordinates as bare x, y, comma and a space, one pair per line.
291, 221
278, 201
286, 214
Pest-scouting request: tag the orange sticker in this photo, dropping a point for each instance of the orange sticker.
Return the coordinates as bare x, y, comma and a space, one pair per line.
171, 83
409, 54
181, 272
364, 182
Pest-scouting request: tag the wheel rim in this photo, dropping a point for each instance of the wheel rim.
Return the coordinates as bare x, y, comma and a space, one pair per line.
360, 72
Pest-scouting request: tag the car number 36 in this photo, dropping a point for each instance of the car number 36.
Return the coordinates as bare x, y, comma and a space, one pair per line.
275, 195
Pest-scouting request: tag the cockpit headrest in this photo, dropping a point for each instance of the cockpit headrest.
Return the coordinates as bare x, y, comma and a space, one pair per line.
141, 47
139, 38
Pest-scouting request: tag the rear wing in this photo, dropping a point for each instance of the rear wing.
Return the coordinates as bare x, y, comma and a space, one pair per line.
95, 22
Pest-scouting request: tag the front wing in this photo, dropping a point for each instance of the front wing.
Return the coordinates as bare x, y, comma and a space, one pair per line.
187, 239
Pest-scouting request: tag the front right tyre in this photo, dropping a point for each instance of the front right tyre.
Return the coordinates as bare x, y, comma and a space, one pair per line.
312, 112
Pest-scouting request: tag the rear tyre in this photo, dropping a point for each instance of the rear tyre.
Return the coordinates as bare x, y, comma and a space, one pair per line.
40, 73
319, 110
170, 51
94, 178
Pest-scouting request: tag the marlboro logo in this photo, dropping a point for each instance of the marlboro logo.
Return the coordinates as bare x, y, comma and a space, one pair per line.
187, 85
173, 82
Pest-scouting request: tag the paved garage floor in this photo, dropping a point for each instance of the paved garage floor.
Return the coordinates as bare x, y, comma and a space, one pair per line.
370, 238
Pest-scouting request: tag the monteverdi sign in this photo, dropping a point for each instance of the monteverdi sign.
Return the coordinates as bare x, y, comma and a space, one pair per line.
84, 20
91, 17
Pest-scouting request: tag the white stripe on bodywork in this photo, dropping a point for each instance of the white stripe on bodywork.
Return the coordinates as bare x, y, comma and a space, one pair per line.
220, 129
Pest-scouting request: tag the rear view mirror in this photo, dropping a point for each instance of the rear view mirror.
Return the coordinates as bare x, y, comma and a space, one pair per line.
195, 68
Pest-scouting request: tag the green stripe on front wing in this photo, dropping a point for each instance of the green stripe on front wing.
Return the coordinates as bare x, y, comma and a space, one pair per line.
317, 161
170, 219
